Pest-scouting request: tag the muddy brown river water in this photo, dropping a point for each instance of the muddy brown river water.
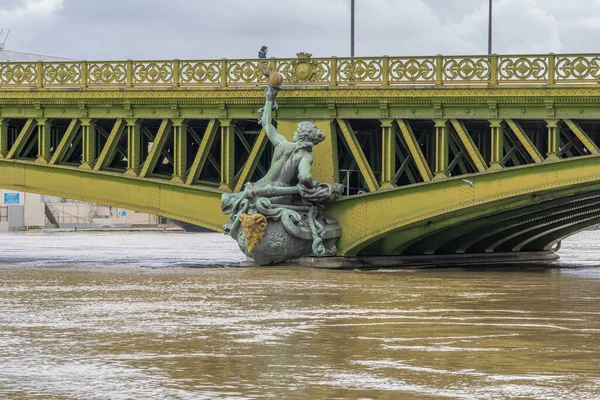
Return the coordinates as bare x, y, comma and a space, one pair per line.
122, 316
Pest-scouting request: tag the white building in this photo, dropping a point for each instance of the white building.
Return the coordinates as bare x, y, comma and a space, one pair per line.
23, 211
16, 56
20, 210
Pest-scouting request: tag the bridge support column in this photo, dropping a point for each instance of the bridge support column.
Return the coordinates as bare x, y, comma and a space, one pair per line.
553, 140
134, 146
496, 144
3, 137
179, 150
44, 131
227, 155
388, 154
441, 149
89, 149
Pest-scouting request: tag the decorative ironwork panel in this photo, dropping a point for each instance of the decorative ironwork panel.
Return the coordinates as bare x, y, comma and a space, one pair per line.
528, 69
17, 74
153, 73
312, 70
412, 70
245, 72
108, 73
62, 74
466, 69
382, 71
200, 73
360, 70
577, 68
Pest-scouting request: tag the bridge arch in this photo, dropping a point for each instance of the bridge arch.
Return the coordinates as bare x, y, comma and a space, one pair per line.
196, 205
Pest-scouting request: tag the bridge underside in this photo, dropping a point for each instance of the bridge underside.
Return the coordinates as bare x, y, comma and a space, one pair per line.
525, 209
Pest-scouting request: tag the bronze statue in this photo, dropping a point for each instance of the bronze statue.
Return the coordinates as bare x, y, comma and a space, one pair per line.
279, 217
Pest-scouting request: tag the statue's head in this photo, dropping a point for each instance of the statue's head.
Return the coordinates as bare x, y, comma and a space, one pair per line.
308, 132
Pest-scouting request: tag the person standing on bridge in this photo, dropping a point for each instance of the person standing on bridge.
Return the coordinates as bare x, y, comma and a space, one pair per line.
262, 53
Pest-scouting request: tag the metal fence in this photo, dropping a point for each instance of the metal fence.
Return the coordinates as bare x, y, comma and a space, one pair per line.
386, 71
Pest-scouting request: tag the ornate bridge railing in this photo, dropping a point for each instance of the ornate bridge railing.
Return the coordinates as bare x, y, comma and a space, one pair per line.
544, 69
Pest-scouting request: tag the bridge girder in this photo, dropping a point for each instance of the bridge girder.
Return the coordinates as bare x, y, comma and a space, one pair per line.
527, 149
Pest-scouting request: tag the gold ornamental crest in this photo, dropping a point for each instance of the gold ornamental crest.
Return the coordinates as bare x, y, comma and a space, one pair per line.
304, 69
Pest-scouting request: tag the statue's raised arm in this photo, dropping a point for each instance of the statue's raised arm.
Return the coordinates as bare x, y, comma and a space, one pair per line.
265, 113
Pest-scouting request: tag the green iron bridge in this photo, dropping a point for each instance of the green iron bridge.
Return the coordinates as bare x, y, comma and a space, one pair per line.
442, 155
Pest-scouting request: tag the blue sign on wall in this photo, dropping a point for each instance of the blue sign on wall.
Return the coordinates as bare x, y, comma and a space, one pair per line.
12, 198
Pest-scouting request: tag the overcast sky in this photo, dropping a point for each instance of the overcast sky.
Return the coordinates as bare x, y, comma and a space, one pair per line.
200, 29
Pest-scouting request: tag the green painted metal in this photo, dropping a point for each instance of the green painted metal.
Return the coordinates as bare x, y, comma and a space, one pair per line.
469, 145
388, 154
88, 138
441, 149
415, 150
553, 112
157, 148
3, 137
359, 155
21, 140
202, 154
227, 155
581, 135
553, 140
496, 144
43, 140
525, 141
65, 142
252, 162
134, 146
110, 148
180, 133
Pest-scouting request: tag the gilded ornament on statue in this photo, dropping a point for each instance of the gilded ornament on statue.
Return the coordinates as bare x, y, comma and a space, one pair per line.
275, 78
255, 226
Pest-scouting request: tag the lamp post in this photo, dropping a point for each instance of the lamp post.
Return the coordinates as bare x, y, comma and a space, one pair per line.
351, 28
489, 28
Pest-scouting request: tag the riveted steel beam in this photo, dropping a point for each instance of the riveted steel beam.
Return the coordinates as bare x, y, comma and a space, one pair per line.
227, 155
203, 151
441, 149
134, 146
415, 150
110, 148
358, 154
388, 154
496, 144
525, 141
582, 136
467, 142
22, 139
3, 137
88, 143
44, 140
477, 233
118, 190
65, 142
180, 138
157, 147
553, 140
241, 137
584, 217
253, 160
150, 135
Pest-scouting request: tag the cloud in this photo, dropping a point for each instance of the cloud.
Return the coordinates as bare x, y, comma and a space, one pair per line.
196, 29
27, 18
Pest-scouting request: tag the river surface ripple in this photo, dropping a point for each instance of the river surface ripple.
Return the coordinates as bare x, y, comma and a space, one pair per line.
120, 316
